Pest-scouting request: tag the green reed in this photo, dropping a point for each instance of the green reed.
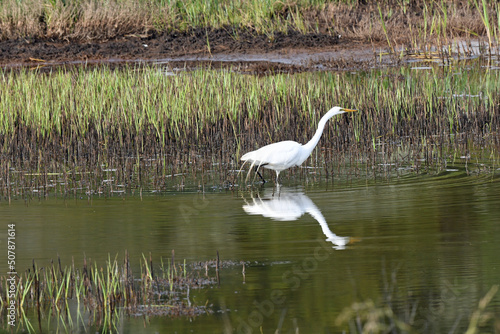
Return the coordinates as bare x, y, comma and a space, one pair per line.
100, 293
69, 125
173, 108
485, 17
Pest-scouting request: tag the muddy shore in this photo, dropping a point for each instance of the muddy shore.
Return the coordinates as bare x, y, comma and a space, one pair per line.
254, 52
329, 36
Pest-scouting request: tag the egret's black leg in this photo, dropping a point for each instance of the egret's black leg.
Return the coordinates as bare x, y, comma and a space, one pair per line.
257, 171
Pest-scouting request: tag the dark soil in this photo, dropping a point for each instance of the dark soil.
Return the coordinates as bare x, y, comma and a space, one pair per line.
172, 46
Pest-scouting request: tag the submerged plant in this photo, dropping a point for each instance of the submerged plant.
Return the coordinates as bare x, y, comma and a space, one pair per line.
101, 295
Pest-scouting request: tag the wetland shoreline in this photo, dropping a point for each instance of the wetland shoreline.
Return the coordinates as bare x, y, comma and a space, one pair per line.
68, 132
41, 33
165, 100
226, 87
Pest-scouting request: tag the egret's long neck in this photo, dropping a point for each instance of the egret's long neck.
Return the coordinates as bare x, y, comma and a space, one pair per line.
311, 144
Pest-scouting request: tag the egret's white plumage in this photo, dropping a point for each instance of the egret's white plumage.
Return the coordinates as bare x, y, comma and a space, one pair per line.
285, 154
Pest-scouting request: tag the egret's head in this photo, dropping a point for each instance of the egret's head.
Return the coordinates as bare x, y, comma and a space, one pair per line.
339, 110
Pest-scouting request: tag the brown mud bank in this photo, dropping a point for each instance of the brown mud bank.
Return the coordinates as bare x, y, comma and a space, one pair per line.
250, 53
193, 46
333, 37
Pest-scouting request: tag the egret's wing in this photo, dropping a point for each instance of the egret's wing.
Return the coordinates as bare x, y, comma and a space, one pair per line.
281, 155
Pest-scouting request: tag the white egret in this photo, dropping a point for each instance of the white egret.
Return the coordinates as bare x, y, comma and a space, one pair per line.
285, 154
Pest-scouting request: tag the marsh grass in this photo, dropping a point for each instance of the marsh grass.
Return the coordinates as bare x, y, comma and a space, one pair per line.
433, 27
96, 19
103, 131
408, 24
102, 294
370, 317
450, 307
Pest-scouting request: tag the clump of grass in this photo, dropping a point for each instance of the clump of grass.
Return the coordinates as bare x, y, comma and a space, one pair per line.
369, 317
103, 294
98, 20
492, 32
402, 311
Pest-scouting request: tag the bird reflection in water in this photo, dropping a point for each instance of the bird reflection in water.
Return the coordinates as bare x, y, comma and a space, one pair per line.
290, 205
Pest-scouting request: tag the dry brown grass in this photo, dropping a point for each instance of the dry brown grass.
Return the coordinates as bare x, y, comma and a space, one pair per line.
17, 19
403, 25
101, 20
116, 19
90, 19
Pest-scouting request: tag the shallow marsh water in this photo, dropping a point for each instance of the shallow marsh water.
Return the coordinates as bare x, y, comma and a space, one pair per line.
425, 246
413, 230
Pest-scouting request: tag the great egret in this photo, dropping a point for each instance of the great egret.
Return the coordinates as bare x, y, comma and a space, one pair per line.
285, 154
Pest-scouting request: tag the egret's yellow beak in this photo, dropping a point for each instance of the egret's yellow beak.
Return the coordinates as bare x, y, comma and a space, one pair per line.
353, 240
349, 110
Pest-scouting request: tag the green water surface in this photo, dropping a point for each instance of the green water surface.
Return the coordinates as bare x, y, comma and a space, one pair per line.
424, 246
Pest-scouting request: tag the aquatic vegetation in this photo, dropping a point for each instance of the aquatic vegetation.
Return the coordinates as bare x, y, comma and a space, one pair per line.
368, 316
101, 295
102, 130
399, 310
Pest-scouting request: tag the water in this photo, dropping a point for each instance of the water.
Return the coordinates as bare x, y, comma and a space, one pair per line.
424, 246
